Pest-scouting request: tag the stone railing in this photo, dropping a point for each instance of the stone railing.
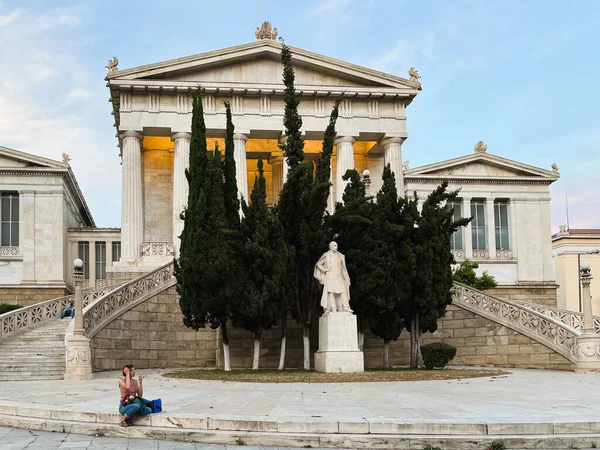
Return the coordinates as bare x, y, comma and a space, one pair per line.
125, 297
503, 254
157, 249
9, 251
552, 333
480, 254
571, 318
19, 320
458, 254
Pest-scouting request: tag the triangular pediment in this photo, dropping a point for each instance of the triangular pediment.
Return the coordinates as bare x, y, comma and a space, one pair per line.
259, 63
481, 166
14, 159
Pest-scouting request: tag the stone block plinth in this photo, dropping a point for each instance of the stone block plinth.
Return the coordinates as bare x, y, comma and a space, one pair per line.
79, 358
588, 353
338, 344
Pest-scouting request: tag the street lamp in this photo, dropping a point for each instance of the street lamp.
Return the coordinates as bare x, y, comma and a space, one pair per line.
591, 252
585, 277
78, 281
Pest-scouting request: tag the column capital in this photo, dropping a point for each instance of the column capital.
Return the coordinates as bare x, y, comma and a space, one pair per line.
276, 159
131, 133
342, 139
283, 138
387, 140
181, 135
240, 137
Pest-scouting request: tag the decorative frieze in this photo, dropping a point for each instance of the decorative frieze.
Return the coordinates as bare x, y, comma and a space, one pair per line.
183, 104
237, 105
399, 110
126, 103
154, 103
320, 107
265, 106
209, 104
373, 109
346, 109
157, 249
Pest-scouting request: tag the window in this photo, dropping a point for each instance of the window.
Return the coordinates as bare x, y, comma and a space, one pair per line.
501, 224
116, 251
10, 219
100, 260
478, 224
456, 242
84, 255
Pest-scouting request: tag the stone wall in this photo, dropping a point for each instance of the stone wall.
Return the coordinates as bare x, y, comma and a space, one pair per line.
152, 335
158, 195
30, 296
540, 294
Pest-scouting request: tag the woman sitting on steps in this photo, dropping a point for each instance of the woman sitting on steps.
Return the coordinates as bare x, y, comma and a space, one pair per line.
132, 403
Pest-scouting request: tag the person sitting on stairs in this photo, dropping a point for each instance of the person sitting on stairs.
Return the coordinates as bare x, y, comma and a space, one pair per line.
132, 403
69, 309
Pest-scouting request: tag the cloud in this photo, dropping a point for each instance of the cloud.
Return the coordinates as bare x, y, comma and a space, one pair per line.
45, 107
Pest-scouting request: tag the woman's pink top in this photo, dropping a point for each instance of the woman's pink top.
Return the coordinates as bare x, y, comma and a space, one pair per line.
133, 388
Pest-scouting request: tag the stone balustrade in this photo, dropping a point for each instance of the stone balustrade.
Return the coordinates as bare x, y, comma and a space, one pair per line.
19, 320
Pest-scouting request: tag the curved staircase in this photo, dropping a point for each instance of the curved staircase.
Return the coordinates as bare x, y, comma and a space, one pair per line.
37, 354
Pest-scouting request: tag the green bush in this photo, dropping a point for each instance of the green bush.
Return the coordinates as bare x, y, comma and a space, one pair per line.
497, 445
437, 354
429, 447
5, 307
465, 274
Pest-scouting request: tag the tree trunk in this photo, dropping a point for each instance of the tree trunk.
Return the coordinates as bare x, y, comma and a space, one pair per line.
256, 358
225, 338
283, 342
386, 354
415, 339
306, 342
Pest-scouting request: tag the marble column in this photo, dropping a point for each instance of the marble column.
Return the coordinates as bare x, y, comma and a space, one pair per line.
345, 161
512, 216
278, 167
392, 155
468, 244
181, 162
27, 233
132, 206
92, 264
241, 171
490, 228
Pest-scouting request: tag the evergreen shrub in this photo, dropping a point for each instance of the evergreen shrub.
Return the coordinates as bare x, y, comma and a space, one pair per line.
429, 447
437, 354
5, 307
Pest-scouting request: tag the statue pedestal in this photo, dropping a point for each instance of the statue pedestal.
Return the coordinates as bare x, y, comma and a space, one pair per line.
338, 344
79, 360
588, 352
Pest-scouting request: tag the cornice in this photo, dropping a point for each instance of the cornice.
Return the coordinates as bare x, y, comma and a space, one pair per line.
422, 179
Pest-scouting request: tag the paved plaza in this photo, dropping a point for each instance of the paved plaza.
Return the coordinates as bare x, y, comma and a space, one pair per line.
17, 439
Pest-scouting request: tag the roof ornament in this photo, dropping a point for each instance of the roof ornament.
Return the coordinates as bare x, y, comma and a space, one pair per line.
480, 147
414, 74
66, 158
405, 164
555, 168
112, 64
266, 31
562, 229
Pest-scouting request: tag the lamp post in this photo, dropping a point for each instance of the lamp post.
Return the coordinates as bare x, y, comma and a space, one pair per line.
78, 352
78, 281
592, 252
367, 180
588, 343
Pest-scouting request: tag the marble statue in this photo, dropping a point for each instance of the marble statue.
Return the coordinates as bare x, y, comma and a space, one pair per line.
480, 147
331, 272
66, 158
266, 31
555, 168
414, 74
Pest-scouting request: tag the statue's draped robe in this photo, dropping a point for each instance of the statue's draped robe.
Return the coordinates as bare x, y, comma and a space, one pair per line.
336, 280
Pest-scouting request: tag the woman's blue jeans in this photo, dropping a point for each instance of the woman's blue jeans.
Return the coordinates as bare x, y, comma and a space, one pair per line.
134, 409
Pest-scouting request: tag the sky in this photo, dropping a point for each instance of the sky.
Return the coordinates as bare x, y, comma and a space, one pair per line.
520, 75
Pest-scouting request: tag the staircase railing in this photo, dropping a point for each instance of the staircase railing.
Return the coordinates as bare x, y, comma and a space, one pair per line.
549, 331
20, 320
571, 318
111, 305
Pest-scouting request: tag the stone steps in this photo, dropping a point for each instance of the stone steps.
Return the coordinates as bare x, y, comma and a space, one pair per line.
162, 427
36, 354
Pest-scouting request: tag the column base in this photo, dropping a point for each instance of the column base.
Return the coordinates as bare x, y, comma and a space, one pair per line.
79, 358
588, 353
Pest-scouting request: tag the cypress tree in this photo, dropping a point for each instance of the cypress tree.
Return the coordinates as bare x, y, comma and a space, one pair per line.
431, 284
302, 206
264, 258
232, 204
194, 315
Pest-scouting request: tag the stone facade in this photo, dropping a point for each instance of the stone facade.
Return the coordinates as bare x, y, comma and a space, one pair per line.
539, 294
30, 296
158, 195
